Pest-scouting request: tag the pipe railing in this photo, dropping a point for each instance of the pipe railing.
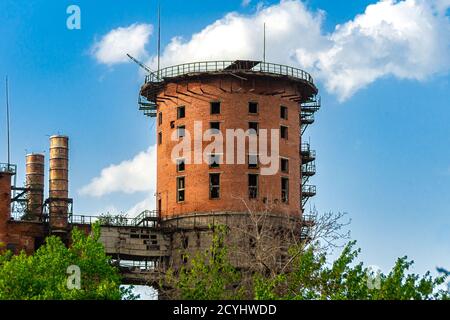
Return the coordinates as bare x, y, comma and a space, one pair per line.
221, 66
8, 168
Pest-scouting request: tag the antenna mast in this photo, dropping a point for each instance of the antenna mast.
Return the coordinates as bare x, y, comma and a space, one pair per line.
7, 122
264, 45
159, 38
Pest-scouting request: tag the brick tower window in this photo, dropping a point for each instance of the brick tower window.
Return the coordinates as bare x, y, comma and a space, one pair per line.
252, 186
253, 127
160, 118
159, 137
180, 165
253, 161
252, 107
214, 185
181, 112
214, 160
214, 125
181, 131
283, 132
215, 107
284, 165
285, 190
283, 112
180, 189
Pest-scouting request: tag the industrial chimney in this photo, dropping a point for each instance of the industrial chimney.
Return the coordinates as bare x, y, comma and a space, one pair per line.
34, 182
59, 183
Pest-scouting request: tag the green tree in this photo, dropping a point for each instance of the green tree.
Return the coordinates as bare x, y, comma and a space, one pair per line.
209, 276
310, 277
43, 275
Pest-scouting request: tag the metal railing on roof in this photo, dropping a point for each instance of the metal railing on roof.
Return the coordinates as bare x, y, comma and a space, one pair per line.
8, 168
146, 218
225, 66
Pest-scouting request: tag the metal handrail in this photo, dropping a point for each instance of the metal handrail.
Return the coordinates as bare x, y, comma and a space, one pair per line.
309, 189
220, 66
8, 168
115, 220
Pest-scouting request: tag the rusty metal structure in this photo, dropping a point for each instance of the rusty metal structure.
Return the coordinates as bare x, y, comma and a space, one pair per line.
58, 201
34, 182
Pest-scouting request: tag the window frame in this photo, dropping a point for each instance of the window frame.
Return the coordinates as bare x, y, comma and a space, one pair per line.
183, 189
179, 108
286, 130
253, 194
284, 108
254, 103
285, 191
281, 164
217, 104
211, 186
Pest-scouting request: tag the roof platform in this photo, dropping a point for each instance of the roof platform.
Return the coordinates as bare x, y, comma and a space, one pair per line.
242, 69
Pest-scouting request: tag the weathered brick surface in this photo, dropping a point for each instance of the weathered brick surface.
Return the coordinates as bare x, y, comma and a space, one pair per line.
5, 203
234, 95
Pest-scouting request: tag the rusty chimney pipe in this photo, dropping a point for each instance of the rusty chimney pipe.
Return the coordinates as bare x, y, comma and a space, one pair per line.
34, 180
59, 183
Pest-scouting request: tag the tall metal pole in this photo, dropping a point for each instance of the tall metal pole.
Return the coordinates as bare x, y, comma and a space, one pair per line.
159, 38
264, 46
7, 122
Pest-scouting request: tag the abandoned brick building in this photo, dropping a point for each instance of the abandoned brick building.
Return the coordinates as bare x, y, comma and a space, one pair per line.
191, 196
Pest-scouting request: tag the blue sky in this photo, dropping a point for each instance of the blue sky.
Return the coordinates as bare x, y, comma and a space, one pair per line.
381, 137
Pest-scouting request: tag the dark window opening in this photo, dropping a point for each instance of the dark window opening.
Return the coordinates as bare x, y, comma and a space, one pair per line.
181, 112
252, 186
180, 165
253, 161
283, 132
214, 161
252, 107
214, 185
181, 131
214, 125
284, 165
284, 190
283, 112
180, 189
253, 127
215, 107
159, 137
172, 124
160, 118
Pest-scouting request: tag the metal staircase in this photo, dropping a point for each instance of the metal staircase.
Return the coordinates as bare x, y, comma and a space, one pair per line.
308, 156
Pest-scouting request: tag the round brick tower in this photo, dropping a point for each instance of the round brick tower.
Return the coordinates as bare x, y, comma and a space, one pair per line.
269, 100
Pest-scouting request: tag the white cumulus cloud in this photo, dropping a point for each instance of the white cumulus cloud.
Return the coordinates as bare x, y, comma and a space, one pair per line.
113, 47
130, 176
407, 39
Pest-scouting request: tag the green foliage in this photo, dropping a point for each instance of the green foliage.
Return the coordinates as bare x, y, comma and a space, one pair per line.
308, 277
209, 276
43, 275
311, 278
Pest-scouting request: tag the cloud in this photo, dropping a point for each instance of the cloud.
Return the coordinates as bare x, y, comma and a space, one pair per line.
113, 47
130, 176
245, 3
407, 39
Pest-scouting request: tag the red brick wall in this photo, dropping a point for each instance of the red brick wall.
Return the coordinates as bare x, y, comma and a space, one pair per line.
234, 95
5, 205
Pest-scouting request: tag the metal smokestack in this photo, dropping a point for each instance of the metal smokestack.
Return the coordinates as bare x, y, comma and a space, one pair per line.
34, 181
59, 183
